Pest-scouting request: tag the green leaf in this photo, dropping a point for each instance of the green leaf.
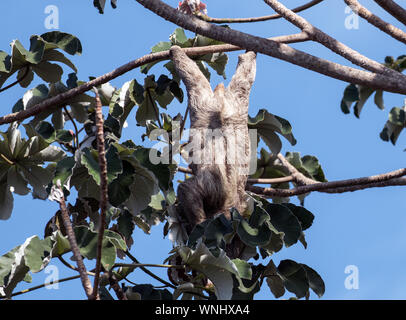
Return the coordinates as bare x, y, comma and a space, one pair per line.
218, 269
364, 94
284, 221
65, 41
294, 277
178, 37
49, 72
25, 76
304, 216
54, 55
267, 124
378, 99
274, 281
64, 171
87, 242
33, 255
5, 62
350, 95
119, 189
147, 292
395, 125
256, 231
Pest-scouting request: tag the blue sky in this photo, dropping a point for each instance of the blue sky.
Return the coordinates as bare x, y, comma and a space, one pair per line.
364, 228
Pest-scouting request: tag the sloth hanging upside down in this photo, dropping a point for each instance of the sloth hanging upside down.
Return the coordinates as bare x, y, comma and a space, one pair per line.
220, 167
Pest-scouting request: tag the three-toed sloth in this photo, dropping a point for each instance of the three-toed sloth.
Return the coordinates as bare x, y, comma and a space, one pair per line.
220, 159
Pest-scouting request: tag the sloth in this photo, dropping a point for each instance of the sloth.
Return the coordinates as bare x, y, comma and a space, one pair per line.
218, 182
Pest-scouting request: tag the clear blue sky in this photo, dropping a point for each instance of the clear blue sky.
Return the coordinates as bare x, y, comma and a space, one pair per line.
365, 228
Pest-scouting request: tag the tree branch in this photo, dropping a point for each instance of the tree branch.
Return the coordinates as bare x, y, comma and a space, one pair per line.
384, 26
333, 44
394, 9
271, 192
74, 247
278, 50
103, 191
59, 99
149, 272
256, 19
393, 178
250, 181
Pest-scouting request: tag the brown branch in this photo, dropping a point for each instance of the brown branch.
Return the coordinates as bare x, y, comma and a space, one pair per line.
59, 99
41, 286
319, 187
151, 274
256, 19
394, 9
74, 247
333, 44
103, 190
281, 51
393, 178
384, 26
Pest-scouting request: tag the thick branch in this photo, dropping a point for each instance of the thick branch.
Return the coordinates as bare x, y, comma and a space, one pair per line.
103, 191
75, 249
394, 9
393, 178
281, 51
257, 19
376, 21
324, 187
333, 44
153, 57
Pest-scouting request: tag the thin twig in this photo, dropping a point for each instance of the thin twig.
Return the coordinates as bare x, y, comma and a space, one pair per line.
26, 72
151, 274
155, 107
103, 190
67, 264
74, 247
256, 19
